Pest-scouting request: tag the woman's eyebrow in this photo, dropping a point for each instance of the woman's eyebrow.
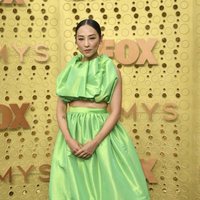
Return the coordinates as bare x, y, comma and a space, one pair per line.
88, 35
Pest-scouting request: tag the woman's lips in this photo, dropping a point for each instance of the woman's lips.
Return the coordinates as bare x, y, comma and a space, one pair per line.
87, 50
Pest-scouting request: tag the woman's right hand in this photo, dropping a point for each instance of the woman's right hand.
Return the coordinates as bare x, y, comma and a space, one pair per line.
73, 145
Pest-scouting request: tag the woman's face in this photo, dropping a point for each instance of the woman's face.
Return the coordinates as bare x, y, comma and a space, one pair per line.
88, 40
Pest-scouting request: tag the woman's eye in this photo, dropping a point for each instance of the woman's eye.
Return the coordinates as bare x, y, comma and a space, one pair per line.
93, 38
80, 38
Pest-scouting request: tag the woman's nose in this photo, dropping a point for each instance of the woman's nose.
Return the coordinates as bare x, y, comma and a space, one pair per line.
86, 43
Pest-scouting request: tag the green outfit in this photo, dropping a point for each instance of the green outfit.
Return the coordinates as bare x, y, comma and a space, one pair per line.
114, 171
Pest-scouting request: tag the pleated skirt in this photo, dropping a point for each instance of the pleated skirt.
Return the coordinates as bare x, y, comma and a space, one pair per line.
113, 172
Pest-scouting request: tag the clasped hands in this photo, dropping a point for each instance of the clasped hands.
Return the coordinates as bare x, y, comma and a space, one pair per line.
84, 151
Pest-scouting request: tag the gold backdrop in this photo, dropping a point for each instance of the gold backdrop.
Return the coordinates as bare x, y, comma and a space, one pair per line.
160, 102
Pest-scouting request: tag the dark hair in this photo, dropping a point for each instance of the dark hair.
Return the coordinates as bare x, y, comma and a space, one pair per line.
91, 23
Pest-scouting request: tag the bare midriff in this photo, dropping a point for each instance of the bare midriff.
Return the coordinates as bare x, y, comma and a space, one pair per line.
89, 104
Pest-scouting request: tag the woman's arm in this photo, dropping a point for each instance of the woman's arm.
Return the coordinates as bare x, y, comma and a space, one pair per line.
87, 150
61, 110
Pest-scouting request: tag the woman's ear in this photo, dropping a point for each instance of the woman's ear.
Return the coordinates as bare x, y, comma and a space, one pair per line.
101, 39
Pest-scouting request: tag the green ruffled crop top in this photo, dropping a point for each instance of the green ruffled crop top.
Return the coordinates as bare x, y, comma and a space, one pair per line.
93, 80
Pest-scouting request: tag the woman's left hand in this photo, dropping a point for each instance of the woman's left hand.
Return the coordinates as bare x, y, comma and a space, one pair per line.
87, 150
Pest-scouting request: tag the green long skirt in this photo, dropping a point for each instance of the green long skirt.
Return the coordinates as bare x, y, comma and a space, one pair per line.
112, 173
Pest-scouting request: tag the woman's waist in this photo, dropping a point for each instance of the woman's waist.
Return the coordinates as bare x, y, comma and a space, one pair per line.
88, 104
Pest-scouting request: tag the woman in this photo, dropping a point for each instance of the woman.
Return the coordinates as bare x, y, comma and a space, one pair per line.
93, 157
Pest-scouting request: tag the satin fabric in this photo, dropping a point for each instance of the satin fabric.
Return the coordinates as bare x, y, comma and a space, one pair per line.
93, 80
112, 173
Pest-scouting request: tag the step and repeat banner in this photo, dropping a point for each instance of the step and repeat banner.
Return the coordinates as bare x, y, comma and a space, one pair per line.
156, 46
